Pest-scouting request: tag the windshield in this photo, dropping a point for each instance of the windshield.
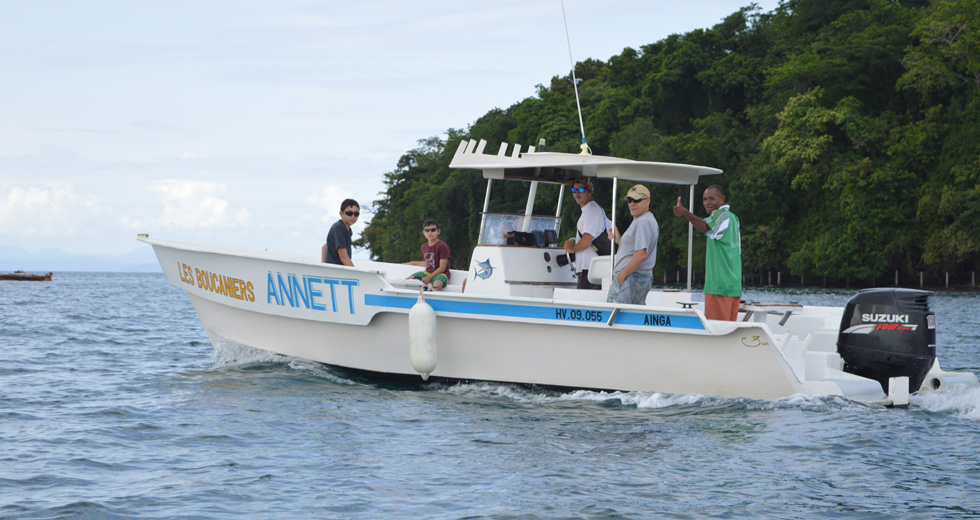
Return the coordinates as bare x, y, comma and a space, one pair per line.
499, 224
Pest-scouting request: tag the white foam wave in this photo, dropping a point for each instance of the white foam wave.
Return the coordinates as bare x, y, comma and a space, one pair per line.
318, 370
959, 401
641, 399
811, 402
228, 353
652, 400
534, 396
516, 393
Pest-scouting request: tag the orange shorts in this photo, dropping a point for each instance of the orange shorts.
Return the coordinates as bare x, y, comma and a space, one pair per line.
721, 307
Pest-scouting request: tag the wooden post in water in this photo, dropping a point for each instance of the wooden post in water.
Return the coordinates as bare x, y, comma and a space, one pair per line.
779, 278
920, 279
947, 279
896, 277
770, 278
801, 280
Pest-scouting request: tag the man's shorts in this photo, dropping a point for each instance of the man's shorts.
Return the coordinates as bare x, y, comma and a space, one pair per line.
634, 289
721, 307
440, 277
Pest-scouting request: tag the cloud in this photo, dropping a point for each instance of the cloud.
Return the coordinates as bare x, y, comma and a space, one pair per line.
328, 200
131, 224
196, 205
52, 210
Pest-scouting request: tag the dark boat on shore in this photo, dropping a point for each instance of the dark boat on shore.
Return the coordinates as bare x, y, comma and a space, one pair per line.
24, 276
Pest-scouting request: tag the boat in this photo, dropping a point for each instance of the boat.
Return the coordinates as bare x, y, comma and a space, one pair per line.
515, 316
24, 276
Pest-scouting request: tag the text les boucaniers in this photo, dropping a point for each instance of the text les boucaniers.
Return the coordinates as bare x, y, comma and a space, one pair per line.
217, 283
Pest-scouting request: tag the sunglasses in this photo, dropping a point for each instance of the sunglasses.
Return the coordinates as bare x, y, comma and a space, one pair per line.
430, 229
350, 213
631, 200
579, 190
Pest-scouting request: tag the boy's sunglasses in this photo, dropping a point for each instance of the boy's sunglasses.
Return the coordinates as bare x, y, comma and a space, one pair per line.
631, 200
350, 213
579, 190
430, 229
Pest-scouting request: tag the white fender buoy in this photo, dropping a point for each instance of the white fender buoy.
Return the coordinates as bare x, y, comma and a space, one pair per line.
422, 337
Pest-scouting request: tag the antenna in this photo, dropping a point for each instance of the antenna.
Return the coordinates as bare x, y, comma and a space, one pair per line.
571, 62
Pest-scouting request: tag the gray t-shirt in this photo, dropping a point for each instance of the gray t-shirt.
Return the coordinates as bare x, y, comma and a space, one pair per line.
643, 233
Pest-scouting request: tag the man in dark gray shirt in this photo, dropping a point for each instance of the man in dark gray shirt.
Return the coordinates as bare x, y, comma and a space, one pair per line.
337, 249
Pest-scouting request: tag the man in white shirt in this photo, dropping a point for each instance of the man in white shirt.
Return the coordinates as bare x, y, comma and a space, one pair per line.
591, 228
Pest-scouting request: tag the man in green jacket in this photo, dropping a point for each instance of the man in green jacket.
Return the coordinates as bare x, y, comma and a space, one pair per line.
723, 265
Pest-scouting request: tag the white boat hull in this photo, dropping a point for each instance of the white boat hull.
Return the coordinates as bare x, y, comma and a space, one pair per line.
357, 318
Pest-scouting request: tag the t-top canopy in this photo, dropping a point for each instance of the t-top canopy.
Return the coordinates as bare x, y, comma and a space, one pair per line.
565, 167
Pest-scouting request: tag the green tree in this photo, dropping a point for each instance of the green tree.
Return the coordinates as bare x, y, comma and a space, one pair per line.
948, 51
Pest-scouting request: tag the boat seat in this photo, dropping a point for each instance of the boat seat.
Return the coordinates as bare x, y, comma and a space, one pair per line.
599, 271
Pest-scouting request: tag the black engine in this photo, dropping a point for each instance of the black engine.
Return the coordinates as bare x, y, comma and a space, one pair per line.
888, 333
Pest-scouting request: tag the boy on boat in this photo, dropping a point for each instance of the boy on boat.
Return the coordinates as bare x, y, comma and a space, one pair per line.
435, 254
337, 249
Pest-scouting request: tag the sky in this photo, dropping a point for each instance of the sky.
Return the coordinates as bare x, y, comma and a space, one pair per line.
245, 123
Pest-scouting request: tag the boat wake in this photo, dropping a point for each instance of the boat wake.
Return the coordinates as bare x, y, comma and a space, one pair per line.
962, 402
539, 396
657, 400
319, 370
230, 354
650, 400
645, 399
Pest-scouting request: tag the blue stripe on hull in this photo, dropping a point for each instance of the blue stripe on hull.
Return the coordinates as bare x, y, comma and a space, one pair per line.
509, 310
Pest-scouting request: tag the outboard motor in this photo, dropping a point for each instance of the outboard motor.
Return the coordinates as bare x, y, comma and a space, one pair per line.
888, 333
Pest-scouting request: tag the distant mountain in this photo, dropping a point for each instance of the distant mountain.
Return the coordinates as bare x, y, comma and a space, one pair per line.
141, 260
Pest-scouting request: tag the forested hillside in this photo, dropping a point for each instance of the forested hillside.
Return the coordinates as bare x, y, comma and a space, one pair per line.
848, 130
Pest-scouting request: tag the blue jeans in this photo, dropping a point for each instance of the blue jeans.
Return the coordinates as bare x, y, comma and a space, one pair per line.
634, 289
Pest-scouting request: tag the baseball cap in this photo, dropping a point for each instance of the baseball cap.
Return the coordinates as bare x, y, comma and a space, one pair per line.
638, 192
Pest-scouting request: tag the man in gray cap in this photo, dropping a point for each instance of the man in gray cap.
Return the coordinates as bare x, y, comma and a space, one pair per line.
633, 273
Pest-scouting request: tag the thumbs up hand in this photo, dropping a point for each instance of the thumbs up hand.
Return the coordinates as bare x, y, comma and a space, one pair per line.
679, 208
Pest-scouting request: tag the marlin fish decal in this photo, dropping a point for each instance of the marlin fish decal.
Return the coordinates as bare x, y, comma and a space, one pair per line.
484, 270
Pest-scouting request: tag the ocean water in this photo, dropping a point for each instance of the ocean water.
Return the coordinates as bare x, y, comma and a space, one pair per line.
113, 405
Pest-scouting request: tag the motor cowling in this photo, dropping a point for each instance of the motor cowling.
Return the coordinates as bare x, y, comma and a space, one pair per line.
888, 333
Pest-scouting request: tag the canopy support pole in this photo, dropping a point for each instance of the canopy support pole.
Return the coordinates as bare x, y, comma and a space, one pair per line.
690, 242
531, 194
561, 198
486, 206
612, 248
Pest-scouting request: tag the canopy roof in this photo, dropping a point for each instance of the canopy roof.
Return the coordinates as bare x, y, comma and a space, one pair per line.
566, 167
